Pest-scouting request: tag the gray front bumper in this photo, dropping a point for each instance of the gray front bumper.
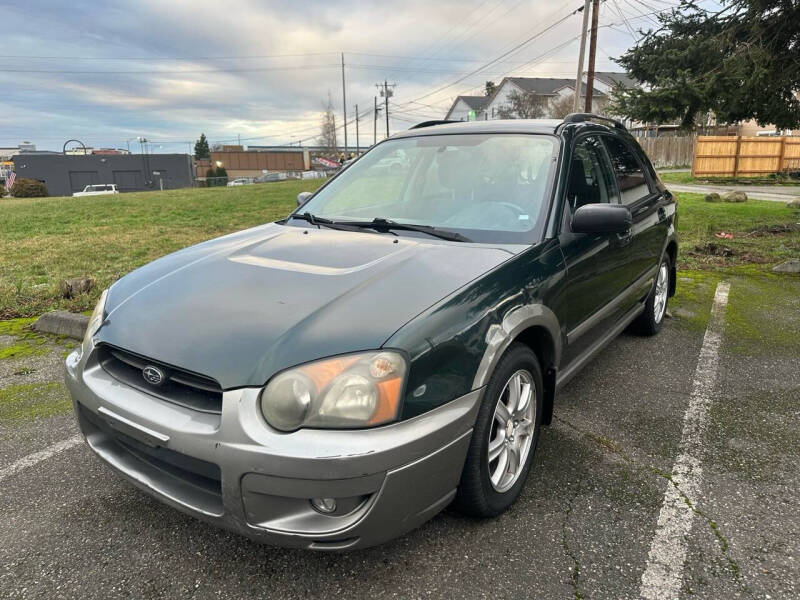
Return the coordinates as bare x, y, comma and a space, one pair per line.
234, 471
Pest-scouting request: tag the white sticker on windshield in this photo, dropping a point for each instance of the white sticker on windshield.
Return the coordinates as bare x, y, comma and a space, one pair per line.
524, 218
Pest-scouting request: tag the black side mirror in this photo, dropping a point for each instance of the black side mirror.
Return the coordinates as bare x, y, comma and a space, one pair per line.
303, 197
602, 218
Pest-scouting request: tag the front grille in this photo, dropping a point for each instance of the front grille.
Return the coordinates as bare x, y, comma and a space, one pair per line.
179, 387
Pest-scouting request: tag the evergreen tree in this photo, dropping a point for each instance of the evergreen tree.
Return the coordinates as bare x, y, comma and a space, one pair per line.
201, 149
739, 61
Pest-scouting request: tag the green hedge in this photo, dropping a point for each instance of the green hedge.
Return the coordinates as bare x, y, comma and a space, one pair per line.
28, 188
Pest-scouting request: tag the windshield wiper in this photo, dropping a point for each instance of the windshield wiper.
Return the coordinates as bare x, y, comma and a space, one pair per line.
387, 224
317, 221
381, 224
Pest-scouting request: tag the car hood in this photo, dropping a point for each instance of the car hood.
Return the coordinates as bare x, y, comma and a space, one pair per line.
245, 306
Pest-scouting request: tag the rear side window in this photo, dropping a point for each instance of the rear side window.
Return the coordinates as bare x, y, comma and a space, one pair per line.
631, 181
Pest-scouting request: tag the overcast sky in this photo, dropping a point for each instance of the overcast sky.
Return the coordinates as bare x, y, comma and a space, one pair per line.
105, 72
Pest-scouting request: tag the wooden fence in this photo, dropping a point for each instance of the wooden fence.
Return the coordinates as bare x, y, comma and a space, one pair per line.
735, 156
668, 151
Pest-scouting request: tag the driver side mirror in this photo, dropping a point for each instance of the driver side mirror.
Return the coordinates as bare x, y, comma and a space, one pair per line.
303, 197
602, 218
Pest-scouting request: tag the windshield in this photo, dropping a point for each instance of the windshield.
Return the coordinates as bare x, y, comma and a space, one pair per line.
489, 187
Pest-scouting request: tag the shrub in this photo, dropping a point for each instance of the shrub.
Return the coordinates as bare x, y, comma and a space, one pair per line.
222, 176
28, 188
215, 177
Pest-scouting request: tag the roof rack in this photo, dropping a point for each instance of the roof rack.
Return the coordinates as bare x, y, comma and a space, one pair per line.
584, 117
432, 123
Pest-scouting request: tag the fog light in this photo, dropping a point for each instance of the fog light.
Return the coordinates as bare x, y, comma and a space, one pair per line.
324, 505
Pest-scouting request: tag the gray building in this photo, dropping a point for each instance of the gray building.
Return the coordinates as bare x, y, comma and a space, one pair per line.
64, 175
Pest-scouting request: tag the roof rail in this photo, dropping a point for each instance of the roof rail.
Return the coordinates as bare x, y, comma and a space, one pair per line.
432, 123
584, 117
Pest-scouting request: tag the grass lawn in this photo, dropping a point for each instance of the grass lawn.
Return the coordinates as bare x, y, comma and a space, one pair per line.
43, 241
764, 233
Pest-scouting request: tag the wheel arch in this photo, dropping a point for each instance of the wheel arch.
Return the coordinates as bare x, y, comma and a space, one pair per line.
541, 342
537, 327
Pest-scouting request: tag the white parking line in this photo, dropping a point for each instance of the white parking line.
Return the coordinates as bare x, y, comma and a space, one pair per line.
37, 457
664, 573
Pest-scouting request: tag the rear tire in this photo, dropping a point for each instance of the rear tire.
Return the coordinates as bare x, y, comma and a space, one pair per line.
655, 308
504, 437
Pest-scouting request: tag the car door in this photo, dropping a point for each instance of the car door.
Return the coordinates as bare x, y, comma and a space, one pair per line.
595, 264
646, 203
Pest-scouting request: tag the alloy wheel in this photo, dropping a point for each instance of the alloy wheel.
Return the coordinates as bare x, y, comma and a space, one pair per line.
662, 287
511, 433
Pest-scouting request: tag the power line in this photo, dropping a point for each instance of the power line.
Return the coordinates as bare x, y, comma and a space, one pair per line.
493, 61
442, 41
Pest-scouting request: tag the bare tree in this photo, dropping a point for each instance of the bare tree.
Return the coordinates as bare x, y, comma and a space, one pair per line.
327, 136
523, 105
600, 106
562, 106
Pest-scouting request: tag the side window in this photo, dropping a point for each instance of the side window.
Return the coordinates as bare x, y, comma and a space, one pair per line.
591, 179
630, 176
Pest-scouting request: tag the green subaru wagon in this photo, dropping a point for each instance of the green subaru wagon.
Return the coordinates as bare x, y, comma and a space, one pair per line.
334, 379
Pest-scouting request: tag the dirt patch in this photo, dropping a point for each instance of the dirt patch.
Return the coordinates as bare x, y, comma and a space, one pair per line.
713, 249
721, 254
772, 230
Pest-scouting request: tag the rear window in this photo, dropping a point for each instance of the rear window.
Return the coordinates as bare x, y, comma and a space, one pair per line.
631, 180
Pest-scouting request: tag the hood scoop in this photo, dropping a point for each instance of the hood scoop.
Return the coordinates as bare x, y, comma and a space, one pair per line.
319, 253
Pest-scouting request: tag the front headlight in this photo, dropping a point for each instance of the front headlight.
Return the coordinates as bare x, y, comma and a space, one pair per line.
355, 390
95, 320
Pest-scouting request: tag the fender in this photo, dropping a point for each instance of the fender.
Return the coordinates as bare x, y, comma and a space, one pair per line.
500, 336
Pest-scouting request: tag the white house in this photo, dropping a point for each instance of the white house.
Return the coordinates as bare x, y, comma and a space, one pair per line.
466, 107
551, 88
554, 89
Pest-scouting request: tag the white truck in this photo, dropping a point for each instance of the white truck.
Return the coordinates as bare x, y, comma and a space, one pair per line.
98, 189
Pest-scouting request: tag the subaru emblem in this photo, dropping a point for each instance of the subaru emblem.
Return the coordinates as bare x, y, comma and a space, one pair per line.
153, 375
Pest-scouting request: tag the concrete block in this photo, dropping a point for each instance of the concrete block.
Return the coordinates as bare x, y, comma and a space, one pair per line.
61, 322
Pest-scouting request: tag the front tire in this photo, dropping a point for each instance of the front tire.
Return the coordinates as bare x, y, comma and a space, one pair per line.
504, 437
655, 308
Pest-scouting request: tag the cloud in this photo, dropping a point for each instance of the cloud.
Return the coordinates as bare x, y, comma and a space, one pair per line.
169, 70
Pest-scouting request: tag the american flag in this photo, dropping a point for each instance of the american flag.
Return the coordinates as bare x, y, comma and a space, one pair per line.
10, 180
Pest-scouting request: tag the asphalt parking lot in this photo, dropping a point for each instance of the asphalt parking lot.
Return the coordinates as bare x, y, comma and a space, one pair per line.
583, 528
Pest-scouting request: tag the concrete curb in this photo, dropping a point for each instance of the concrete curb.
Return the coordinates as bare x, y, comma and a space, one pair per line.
61, 322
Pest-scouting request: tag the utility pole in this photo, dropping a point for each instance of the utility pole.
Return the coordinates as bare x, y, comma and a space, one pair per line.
386, 105
358, 149
386, 93
579, 80
592, 54
375, 122
344, 106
